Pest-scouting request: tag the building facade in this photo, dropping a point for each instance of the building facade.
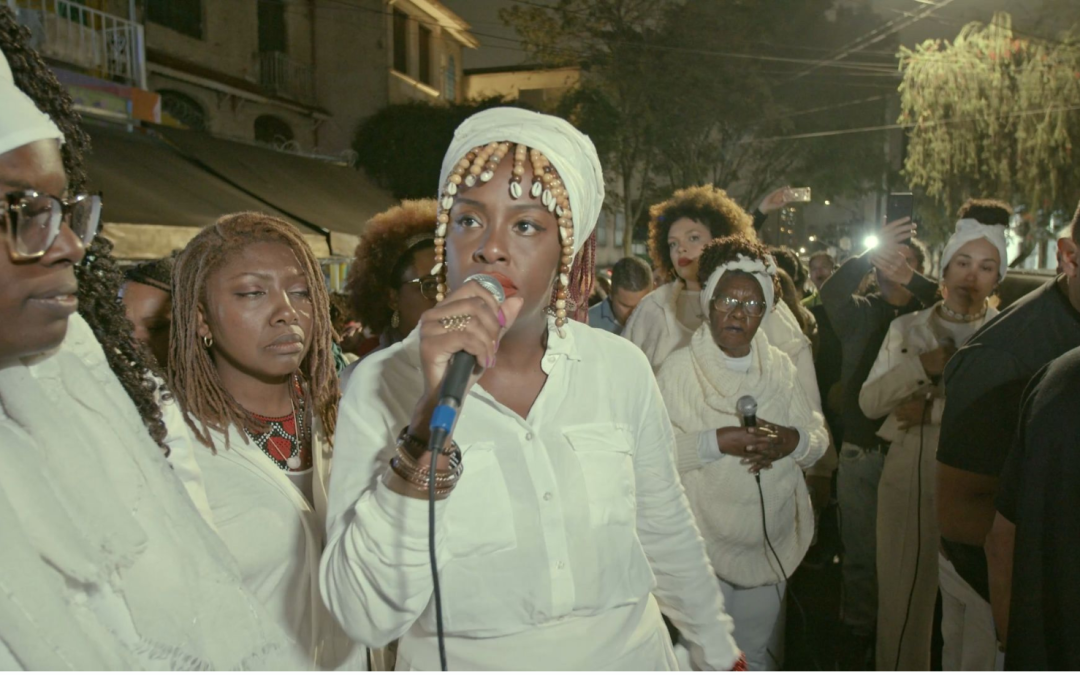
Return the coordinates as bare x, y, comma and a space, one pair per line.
299, 75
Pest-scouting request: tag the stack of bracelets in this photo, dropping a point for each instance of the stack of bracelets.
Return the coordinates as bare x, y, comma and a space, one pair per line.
404, 464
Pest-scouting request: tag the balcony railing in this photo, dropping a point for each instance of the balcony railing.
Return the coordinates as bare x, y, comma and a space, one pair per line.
282, 76
106, 45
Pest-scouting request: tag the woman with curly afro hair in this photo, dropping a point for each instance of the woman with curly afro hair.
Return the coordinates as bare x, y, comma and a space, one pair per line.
679, 230
390, 284
757, 525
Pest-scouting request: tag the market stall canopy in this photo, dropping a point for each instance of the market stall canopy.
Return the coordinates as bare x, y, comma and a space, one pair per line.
335, 198
156, 200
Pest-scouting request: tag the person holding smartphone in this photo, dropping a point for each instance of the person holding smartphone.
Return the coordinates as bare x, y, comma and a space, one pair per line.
862, 322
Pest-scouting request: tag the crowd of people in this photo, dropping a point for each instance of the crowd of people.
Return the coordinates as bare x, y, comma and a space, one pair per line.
213, 463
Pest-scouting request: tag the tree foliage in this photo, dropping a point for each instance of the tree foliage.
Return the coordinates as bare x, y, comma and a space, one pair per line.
401, 146
676, 93
994, 114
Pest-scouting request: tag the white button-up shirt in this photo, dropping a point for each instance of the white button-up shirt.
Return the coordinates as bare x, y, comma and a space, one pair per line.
560, 528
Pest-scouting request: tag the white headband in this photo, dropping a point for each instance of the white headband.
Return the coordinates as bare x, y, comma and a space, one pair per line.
764, 272
970, 229
21, 123
571, 153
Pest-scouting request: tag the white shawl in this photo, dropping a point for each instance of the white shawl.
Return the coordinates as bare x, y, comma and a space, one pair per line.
700, 392
106, 564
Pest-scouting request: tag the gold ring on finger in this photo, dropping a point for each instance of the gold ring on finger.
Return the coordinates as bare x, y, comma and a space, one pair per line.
456, 323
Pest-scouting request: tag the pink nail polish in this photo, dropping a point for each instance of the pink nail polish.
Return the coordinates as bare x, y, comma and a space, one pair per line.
502, 318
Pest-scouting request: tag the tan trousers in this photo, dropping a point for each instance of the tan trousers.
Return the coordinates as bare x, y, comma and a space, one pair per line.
907, 527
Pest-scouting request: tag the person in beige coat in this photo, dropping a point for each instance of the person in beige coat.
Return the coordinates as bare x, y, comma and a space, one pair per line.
253, 375
905, 384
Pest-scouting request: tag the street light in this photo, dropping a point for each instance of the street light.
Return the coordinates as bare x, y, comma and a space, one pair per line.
826, 202
813, 238
802, 249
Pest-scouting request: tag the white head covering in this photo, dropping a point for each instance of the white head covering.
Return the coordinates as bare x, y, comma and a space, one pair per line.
20, 120
970, 229
571, 153
764, 272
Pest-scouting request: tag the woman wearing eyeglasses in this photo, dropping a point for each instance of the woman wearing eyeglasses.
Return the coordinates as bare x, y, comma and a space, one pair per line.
390, 284
104, 562
745, 484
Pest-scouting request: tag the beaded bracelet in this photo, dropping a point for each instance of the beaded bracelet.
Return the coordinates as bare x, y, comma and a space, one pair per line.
416, 447
404, 464
419, 478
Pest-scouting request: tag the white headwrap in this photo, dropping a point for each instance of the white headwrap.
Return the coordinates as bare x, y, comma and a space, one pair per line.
21, 122
970, 229
764, 272
571, 153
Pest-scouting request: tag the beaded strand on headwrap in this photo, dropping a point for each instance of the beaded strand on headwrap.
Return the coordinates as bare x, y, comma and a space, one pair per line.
480, 164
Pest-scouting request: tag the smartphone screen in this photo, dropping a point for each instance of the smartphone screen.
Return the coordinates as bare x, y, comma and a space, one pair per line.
797, 194
900, 205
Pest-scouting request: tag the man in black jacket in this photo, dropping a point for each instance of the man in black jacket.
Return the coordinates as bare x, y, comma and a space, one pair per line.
862, 322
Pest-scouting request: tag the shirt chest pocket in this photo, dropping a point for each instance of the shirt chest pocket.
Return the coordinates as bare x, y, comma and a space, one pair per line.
479, 515
605, 454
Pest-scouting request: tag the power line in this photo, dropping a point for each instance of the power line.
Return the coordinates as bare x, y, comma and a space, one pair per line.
866, 66
889, 127
873, 39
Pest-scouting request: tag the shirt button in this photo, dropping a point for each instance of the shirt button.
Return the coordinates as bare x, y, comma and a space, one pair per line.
561, 565
528, 436
547, 496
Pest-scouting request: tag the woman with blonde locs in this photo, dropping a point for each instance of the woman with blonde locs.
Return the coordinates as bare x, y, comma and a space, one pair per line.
560, 524
253, 372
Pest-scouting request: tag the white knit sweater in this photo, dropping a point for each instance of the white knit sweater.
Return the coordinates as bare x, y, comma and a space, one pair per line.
700, 392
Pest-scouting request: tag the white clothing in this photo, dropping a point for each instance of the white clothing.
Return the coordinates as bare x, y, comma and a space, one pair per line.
570, 517
701, 392
276, 536
21, 122
967, 624
105, 564
969, 229
759, 619
182, 456
655, 328
570, 152
763, 271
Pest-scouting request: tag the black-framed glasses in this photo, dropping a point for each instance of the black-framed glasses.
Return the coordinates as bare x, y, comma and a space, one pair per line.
429, 286
727, 304
33, 220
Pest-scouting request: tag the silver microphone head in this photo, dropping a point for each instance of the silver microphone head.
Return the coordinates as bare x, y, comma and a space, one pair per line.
490, 284
747, 406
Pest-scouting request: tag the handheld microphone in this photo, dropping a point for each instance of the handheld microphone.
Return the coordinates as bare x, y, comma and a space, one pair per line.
747, 409
458, 372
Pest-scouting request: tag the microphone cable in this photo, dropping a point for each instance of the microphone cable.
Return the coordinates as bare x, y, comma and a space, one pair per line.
918, 526
435, 451
783, 573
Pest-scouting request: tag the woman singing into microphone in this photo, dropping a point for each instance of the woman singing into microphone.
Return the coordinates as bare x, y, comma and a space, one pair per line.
745, 486
567, 531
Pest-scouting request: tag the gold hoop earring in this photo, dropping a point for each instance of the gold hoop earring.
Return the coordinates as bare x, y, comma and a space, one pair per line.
208, 341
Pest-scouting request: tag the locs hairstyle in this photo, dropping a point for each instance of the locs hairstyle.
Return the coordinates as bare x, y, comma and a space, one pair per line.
195, 381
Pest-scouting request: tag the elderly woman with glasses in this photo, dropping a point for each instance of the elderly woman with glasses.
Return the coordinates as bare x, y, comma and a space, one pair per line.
745, 484
389, 284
